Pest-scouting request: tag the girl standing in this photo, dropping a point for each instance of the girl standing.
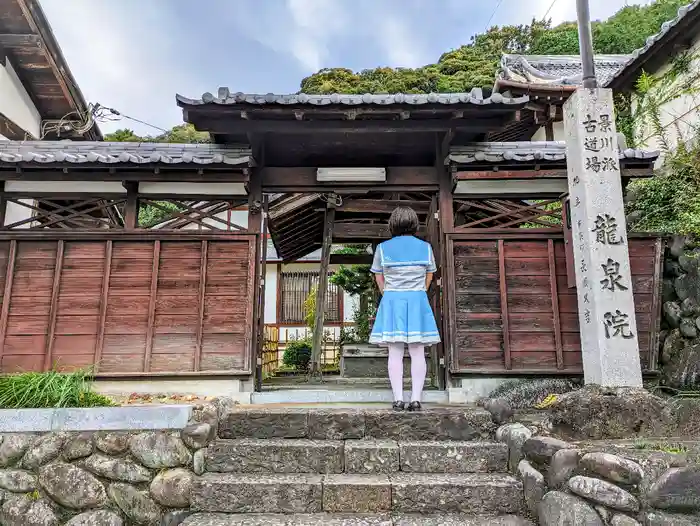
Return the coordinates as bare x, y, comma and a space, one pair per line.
403, 268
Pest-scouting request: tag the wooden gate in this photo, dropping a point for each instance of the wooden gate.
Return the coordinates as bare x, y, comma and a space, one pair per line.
512, 308
153, 303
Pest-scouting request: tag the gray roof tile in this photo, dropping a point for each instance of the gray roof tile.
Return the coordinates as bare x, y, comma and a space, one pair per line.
475, 96
525, 151
653, 39
45, 152
557, 70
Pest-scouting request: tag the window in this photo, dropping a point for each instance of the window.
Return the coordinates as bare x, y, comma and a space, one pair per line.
295, 288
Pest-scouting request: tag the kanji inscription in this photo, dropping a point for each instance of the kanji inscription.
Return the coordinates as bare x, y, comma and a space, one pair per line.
609, 333
617, 325
605, 229
613, 279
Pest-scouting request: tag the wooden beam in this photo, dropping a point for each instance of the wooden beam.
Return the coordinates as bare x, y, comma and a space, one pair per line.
199, 335
131, 209
97, 172
349, 231
10, 41
510, 174
351, 259
152, 308
104, 296
401, 177
315, 363
7, 294
381, 206
217, 124
554, 291
504, 303
53, 308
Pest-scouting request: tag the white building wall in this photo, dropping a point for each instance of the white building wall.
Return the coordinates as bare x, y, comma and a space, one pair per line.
15, 103
557, 128
679, 117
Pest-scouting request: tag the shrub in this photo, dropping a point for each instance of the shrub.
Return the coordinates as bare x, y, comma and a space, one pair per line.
297, 354
50, 389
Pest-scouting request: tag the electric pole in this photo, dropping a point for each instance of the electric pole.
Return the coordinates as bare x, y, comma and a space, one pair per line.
585, 41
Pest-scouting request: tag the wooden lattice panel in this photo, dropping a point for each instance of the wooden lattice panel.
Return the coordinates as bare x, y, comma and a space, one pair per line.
514, 310
507, 213
141, 307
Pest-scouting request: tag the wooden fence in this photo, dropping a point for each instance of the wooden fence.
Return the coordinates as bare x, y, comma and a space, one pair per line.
512, 307
156, 304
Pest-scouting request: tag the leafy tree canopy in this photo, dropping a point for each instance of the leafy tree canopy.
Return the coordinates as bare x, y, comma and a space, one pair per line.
475, 64
182, 133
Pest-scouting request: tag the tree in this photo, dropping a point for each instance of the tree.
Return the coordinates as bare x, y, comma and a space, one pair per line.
475, 64
182, 133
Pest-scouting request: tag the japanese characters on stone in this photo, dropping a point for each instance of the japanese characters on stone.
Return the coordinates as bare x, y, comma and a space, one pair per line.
600, 157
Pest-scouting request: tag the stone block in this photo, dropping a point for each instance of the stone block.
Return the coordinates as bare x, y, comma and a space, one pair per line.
370, 361
265, 423
558, 508
257, 493
603, 492
158, 450
336, 425
534, 486
459, 520
562, 467
96, 518
316, 519
541, 449
453, 457
371, 456
449, 493
172, 488
117, 469
274, 456
136, 505
613, 468
678, 489
71, 486
515, 436
356, 493
436, 424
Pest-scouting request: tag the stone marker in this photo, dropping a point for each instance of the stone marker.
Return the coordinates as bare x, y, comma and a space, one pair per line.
608, 326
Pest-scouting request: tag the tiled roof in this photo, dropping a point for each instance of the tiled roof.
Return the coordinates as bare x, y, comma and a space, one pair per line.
557, 70
666, 28
121, 152
526, 151
475, 96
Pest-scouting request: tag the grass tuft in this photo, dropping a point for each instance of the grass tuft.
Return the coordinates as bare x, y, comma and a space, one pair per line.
50, 389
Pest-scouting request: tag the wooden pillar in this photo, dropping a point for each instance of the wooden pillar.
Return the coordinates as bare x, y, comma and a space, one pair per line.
315, 363
131, 210
255, 206
261, 300
446, 226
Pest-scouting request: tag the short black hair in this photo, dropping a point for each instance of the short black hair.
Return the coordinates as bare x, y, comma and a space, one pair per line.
403, 222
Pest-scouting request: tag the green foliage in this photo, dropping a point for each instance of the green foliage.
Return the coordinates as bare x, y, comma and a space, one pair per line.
669, 201
297, 354
182, 133
475, 64
310, 309
50, 389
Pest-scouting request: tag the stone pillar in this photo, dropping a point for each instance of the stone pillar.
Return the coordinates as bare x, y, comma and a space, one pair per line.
609, 338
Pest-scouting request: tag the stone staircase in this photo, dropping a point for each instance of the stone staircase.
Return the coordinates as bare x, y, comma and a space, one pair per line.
294, 467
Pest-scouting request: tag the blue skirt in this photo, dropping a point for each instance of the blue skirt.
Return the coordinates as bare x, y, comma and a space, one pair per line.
405, 317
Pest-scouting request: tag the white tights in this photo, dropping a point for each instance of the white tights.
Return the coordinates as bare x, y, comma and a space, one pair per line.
419, 369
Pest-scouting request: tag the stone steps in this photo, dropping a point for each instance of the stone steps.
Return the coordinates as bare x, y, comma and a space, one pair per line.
367, 456
328, 519
457, 424
476, 494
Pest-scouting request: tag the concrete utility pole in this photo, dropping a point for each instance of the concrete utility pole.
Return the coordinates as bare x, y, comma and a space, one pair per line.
585, 41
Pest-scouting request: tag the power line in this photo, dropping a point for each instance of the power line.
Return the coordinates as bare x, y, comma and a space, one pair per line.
548, 10
488, 24
123, 116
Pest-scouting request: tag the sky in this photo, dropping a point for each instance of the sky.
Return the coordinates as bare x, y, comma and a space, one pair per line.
135, 55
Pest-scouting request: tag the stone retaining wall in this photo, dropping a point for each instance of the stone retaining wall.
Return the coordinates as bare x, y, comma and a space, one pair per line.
601, 485
104, 478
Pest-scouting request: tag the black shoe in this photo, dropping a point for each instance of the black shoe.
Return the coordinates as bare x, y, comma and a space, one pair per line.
414, 406
398, 406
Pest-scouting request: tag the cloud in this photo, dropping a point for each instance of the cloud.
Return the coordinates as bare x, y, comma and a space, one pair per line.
115, 57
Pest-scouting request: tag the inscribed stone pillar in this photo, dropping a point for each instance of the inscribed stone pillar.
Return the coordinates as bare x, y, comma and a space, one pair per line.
609, 338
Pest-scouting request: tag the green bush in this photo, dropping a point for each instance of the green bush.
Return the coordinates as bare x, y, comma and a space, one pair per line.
50, 389
297, 354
